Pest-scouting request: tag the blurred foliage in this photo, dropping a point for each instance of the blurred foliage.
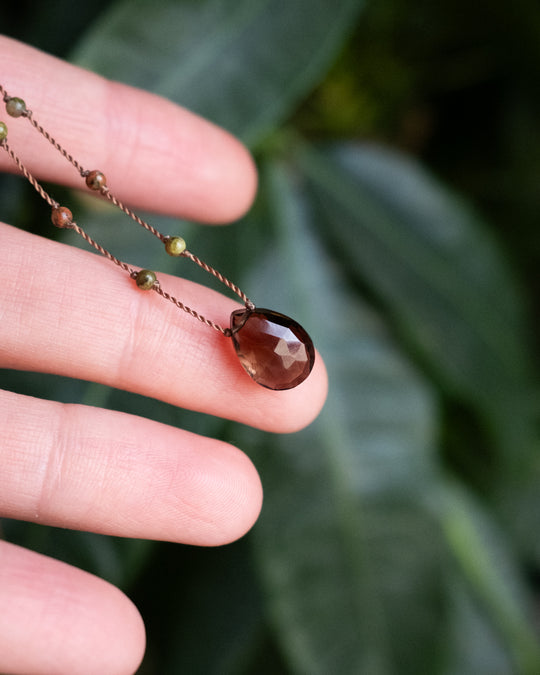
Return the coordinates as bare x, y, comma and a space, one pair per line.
397, 217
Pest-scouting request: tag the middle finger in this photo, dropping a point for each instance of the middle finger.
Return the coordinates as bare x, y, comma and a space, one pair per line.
70, 312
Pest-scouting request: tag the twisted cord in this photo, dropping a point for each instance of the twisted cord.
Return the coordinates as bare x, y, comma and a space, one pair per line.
211, 270
29, 177
28, 114
119, 204
54, 204
73, 226
106, 192
54, 142
189, 310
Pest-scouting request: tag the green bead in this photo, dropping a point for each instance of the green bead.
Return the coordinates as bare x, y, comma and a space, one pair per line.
15, 107
3, 131
175, 245
145, 279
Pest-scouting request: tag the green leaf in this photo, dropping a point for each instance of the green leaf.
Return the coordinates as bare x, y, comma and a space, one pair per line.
431, 261
474, 646
214, 624
244, 64
485, 559
120, 561
347, 545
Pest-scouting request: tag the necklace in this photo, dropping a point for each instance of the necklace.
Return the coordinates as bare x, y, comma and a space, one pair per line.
273, 349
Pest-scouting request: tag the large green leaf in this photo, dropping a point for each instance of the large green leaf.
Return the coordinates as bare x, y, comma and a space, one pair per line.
432, 262
243, 63
118, 560
491, 572
348, 548
207, 617
474, 646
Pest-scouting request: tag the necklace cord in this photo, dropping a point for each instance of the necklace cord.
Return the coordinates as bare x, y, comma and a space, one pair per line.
96, 181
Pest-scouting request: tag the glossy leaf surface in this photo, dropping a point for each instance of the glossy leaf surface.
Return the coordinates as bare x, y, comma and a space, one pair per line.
243, 64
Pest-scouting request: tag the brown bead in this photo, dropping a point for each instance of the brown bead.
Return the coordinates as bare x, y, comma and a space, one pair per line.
3, 131
15, 107
61, 216
145, 279
273, 348
96, 180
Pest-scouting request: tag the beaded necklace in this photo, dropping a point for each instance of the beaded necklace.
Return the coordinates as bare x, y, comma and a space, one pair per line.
274, 350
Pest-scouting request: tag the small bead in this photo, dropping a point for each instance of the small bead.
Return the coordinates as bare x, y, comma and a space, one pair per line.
175, 245
15, 107
3, 131
61, 216
145, 279
96, 180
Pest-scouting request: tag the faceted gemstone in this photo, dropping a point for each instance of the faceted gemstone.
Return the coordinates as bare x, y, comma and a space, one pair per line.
273, 348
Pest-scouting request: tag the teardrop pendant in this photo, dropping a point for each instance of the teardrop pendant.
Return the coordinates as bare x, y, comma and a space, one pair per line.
273, 348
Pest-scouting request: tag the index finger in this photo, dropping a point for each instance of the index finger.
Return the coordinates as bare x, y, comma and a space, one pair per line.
157, 156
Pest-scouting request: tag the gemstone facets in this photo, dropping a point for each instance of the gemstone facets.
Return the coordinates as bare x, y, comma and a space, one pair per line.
273, 348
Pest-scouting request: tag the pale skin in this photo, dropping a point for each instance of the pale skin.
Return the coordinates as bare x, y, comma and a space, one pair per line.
65, 310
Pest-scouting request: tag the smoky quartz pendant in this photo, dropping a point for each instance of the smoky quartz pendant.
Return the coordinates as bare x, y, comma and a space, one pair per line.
273, 349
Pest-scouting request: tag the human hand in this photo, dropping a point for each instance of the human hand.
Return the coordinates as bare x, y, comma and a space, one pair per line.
64, 310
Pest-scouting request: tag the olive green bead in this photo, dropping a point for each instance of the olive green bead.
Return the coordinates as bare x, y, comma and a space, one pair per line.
175, 245
3, 131
145, 279
15, 107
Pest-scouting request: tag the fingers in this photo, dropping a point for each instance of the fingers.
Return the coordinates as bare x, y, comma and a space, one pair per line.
156, 155
160, 157
66, 311
108, 472
57, 619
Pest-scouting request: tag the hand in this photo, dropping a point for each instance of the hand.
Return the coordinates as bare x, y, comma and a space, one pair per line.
67, 311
